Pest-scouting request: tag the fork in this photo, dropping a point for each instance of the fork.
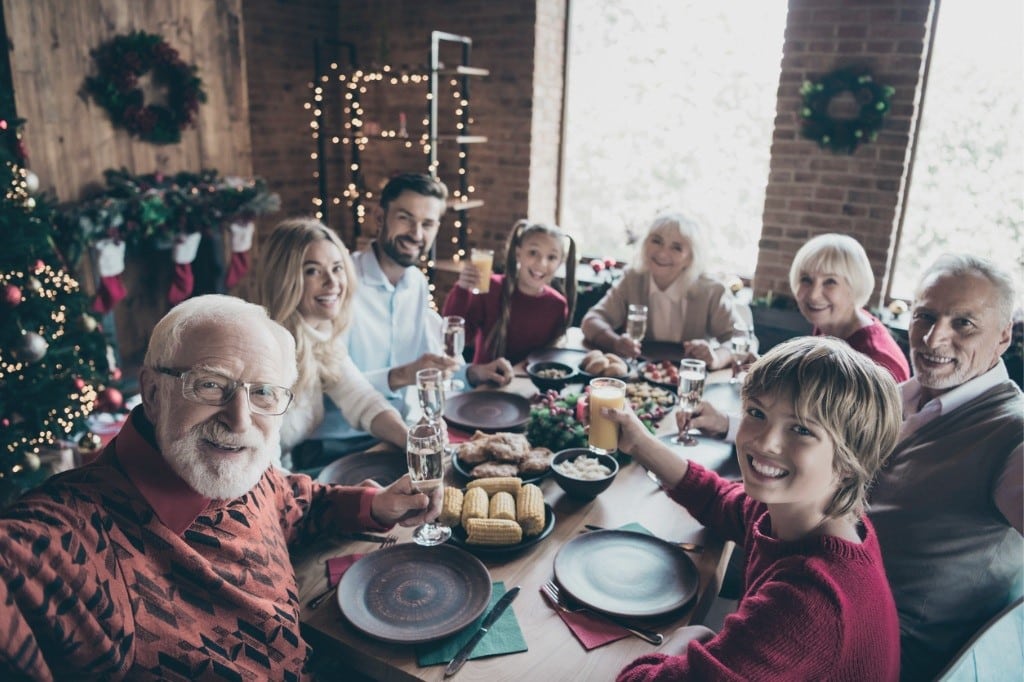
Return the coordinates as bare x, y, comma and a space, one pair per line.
555, 596
387, 541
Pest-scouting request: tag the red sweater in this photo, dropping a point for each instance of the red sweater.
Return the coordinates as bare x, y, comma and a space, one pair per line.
815, 609
877, 343
533, 323
119, 570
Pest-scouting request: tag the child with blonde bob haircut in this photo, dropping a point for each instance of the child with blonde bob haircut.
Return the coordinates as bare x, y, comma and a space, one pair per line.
819, 421
832, 281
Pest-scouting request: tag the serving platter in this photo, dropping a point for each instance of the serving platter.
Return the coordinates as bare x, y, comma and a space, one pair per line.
383, 467
409, 594
464, 470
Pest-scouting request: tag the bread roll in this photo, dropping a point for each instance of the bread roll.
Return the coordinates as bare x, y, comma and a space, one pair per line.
596, 366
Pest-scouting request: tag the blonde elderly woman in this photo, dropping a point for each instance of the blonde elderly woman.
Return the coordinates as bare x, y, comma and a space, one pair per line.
831, 280
307, 283
684, 304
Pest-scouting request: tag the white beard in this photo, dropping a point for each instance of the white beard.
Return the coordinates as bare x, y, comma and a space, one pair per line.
221, 479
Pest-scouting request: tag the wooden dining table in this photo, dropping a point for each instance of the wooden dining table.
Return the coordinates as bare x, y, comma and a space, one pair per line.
553, 651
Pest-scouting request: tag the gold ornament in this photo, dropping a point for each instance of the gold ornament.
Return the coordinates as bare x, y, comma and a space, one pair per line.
33, 285
89, 443
31, 461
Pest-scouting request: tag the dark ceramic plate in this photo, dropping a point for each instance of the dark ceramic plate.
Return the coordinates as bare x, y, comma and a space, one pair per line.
383, 467
409, 594
626, 574
487, 411
567, 356
494, 552
661, 350
463, 470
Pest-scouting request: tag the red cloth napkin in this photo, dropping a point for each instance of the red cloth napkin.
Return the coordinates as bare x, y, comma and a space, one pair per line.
337, 566
591, 631
457, 435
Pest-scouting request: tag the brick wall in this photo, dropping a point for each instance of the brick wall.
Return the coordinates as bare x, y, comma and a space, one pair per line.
519, 106
812, 191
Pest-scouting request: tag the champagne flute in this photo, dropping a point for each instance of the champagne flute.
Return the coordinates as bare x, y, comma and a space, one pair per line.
692, 374
453, 337
636, 325
430, 391
424, 454
739, 347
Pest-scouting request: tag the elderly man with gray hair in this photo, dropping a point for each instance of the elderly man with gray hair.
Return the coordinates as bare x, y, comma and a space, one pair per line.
948, 503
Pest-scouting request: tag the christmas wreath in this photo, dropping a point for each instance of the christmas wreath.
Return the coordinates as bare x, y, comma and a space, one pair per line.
844, 135
121, 62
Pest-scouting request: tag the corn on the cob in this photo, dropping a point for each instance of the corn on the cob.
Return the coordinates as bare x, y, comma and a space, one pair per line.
451, 507
508, 484
530, 509
492, 532
474, 505
502, 506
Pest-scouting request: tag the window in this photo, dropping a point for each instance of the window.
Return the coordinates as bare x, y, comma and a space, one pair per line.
670, 105
967, 187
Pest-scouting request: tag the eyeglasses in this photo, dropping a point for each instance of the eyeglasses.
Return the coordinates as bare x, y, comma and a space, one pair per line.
212, 388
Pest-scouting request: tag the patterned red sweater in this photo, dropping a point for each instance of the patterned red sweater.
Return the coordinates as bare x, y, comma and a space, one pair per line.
814, 609
119, 570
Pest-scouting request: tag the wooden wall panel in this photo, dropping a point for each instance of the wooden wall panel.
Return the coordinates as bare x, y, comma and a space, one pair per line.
71, 140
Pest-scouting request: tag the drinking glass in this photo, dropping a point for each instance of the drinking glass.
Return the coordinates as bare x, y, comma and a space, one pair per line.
739, 347
453, 337
424, 454
636, 325
483, 261
604, 433
430, 391
692, 374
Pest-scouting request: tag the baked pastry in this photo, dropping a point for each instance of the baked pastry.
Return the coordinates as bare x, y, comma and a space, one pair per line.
508, 447
492, 469
536, 462
473, 452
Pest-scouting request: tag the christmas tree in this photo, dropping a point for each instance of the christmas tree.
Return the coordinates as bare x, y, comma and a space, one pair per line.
53, 356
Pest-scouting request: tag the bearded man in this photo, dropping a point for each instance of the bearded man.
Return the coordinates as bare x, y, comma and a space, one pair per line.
168, 557
948, 504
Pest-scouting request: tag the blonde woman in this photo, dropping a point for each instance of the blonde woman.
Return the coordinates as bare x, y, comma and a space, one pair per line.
307, 283
684, 304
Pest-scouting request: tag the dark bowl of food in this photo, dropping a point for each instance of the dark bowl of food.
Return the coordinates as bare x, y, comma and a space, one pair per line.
582, 473
547, 376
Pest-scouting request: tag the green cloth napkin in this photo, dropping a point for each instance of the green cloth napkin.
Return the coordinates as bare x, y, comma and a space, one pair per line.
635, 528
504, 637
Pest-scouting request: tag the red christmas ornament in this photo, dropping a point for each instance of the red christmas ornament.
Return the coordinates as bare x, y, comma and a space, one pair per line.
115, 374
5, 422
12, 295
38, 266
597, 265
79, 383
610, 262
109, 400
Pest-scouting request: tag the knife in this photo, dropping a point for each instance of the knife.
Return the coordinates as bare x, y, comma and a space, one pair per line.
456, 663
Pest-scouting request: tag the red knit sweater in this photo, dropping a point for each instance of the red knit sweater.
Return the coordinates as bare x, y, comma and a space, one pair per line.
533, 323
815, 609
877, 343
119, 570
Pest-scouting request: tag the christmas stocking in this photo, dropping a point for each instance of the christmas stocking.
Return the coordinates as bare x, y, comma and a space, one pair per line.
183, 252
110, 263
241, 244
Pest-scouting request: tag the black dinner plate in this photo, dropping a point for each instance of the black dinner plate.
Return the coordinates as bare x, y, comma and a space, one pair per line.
463, 470
567, 356
626, 574
487, 411
661, 350
383, 467
409, 594
495, 552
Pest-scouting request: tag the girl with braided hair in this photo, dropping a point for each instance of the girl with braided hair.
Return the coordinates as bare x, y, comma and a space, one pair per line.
522, 312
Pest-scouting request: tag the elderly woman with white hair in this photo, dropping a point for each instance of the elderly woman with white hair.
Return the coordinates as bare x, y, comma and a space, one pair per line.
684, 304
831, 280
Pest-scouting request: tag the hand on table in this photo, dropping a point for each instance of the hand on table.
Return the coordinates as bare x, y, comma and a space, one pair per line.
626, 347
707, 418
679, 640
405, 375
401, 503
496, 372
700, 349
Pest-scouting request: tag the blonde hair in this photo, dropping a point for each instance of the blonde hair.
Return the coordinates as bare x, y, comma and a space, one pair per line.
496, 341
280, 288
853, 399
215, 310
836, 254
677, 224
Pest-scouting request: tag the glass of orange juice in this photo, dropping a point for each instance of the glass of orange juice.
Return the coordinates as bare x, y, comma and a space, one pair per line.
604, 433
483, 261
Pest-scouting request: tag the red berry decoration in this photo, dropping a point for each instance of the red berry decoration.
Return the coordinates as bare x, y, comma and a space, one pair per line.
12, 295
115, 374
598, 265
109, 400
610, 263
38, 266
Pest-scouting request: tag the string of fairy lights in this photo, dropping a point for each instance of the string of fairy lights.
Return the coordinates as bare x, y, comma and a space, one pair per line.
357, 133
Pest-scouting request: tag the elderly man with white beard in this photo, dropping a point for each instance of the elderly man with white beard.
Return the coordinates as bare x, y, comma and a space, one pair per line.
168, 557
947, 505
